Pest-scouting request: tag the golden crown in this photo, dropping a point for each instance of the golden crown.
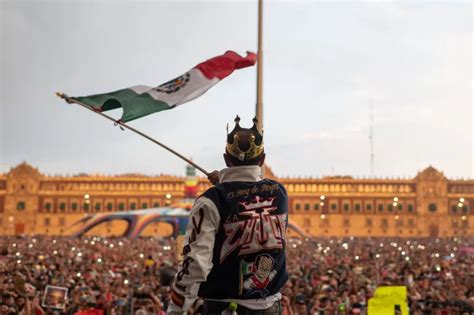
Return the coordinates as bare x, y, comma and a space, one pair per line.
243, 143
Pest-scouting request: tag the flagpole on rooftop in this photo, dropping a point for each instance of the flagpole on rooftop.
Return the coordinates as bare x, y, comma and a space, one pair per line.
118, 122
259, 106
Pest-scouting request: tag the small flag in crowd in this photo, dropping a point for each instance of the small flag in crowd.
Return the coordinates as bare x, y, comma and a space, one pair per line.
139, 101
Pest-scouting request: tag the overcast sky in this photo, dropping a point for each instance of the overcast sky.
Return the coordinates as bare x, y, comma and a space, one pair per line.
324, 63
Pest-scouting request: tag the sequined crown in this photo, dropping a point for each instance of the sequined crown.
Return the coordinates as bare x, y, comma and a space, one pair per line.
244, 144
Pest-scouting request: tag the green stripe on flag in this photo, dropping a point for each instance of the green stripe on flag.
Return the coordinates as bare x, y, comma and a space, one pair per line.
108, 101
134, 105
246, 268
142, 105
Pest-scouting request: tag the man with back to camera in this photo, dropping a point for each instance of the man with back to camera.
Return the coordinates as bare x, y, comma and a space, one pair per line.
234, 252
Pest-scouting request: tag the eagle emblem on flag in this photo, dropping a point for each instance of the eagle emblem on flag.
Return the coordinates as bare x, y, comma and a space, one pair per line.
174, 85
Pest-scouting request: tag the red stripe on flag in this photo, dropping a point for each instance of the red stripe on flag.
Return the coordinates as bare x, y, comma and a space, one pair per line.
221, 66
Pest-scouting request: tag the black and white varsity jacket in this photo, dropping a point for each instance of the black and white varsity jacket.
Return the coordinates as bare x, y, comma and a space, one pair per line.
234, 248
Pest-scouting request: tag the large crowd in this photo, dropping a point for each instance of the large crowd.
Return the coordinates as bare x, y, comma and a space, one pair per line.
96, 275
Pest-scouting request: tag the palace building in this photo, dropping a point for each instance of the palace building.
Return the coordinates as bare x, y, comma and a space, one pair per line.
428, 205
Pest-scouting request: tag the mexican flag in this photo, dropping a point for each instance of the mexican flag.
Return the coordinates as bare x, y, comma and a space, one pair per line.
247, 267
139, 101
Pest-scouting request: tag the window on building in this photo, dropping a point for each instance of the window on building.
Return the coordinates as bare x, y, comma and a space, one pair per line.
357, 207
399, 222
85, 206
109, 206
144, 205
465, 209
48, 206
411, 208
346, 207
411, 222
20, 205
316, 207
297, 206
454, 209
156, 204
432, 207
334, 206
390, 208
368, 207
400, 207
368, 222
380, 208
62, 206
62, 221
47, 221
307, 207
97, 206
121, 206
384, 222
74, 206
133, 206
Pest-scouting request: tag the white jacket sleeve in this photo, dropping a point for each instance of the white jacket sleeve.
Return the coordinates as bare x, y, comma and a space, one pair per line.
198, 250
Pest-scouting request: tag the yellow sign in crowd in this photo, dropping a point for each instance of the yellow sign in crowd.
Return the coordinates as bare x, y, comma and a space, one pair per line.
389, 301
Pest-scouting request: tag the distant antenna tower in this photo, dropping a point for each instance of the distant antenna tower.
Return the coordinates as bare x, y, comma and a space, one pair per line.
371, 137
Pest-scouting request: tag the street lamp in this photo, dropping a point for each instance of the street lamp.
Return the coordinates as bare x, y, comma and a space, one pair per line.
321, 203
461, 206
87, 198
397, 217
395, 203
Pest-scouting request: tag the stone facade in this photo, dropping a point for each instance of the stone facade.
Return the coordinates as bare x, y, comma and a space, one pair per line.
427, 205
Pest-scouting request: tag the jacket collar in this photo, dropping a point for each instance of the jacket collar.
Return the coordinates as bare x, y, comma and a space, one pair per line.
247, 173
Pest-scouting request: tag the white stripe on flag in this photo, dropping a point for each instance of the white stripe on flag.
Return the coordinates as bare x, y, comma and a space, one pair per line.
197, 85
139, 89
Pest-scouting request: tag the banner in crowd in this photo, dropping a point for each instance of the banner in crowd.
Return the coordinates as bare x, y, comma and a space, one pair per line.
389, 300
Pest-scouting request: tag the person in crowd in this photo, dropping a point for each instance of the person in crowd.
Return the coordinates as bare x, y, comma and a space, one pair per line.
337, 275
234, 253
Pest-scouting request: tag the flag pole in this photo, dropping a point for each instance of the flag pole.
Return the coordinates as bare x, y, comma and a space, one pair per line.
72, 100
259, 106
